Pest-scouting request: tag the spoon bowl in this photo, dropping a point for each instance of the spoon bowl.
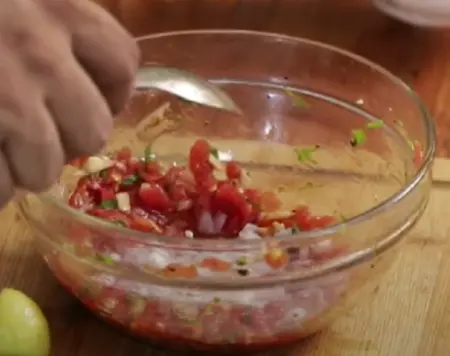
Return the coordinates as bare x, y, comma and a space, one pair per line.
186, 86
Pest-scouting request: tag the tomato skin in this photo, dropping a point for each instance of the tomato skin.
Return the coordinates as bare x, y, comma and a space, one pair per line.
233, 170
135, 165
179, 184
124, 155
230, 201
153, 197
200, 165
199, 157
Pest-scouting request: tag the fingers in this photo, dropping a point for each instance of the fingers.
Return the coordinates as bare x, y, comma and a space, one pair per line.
65, 67
80, 111
35, 155
6, 182
107, 52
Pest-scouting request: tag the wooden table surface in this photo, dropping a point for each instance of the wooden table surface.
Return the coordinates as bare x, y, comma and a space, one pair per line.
410, 313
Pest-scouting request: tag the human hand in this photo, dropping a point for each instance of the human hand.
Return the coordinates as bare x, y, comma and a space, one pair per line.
66, 68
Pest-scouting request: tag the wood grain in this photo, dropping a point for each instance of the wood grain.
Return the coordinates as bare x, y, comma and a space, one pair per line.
408, 313
417, 55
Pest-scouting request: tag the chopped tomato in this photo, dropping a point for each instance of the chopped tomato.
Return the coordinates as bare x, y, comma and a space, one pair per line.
233, 170
80, 199
200, 165
234, 204
180, 271
276, 258
215, 264
186, 199
124, 155
153, 197
112, 175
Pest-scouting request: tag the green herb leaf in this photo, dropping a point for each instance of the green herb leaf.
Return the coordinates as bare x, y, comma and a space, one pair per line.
217, 300
358, 137
109, 204
106, 259
149, 156
242, 261
375, 124
120, 223
295, 229
214, 152
130, 180
298, 100
305, 154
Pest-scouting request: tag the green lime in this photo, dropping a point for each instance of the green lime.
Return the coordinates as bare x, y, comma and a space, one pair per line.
23, 328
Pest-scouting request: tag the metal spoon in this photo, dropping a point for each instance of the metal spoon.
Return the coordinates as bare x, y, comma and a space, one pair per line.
185, 85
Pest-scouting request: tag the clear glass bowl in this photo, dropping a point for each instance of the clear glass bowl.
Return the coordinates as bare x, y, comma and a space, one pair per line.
379, 189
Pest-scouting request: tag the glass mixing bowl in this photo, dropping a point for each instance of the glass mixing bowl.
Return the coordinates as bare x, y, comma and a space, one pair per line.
321, 127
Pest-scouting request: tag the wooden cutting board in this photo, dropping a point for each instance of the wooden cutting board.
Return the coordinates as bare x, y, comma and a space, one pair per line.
409, 314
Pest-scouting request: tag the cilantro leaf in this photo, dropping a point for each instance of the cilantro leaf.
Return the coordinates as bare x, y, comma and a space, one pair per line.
358, 137
297, 99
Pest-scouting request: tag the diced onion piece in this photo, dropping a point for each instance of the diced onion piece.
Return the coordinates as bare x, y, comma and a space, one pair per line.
96, 164
219, 221
206, 223
189, 234
284, 233
123, 201
322, 247
278, 226
184, 205
217, 165
249, 232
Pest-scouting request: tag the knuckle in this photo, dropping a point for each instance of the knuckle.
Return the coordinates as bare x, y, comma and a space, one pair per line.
97, 138
126, 72
45, 176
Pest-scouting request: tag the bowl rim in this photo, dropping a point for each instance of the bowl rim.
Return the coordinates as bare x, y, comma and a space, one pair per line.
250, 245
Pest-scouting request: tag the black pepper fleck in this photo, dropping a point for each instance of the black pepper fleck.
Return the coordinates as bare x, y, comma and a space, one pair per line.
243, 272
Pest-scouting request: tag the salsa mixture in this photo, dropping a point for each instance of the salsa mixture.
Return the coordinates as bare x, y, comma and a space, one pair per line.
206, 198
